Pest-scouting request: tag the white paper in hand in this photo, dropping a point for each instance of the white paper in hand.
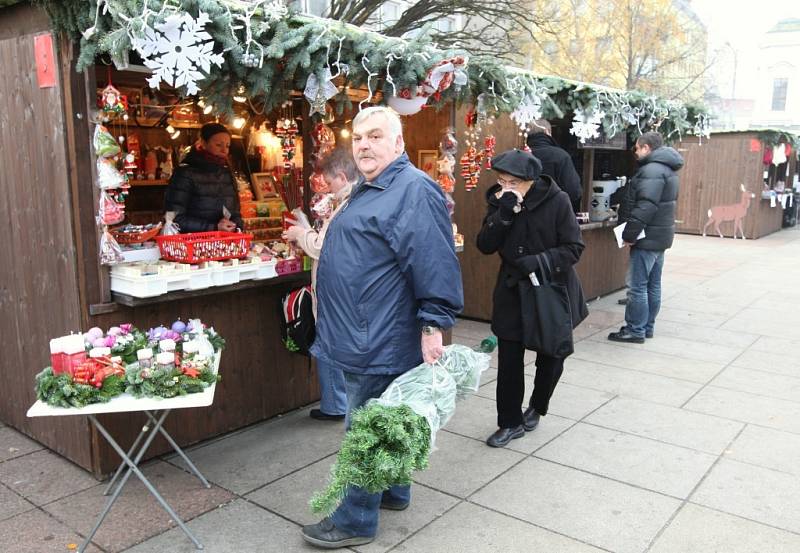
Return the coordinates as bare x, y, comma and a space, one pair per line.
300, 218
619, 229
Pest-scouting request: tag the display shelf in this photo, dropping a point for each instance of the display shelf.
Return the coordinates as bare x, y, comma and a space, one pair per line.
152, 123
156, 182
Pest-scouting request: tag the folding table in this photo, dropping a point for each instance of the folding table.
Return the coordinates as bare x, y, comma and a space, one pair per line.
156, 411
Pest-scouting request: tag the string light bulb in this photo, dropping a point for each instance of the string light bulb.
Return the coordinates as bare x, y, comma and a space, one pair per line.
344, 133
170, 129
239, 96
208, 109
238, 122
201, 103
175, 134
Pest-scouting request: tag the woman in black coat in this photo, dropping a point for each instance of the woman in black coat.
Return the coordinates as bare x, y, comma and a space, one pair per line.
203, 185
529, 218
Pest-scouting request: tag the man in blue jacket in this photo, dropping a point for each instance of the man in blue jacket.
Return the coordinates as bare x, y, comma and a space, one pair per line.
388, 283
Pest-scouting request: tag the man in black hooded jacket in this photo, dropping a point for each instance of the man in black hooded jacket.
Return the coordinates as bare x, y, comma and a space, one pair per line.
555, 162
648, 205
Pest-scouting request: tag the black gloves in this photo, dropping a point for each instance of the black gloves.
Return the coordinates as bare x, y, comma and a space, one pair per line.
506, 208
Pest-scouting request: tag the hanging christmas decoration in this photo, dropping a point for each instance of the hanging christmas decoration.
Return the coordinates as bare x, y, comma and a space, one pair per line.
318, 93
586, 125
253, 55
528, 111
113, 102
489, 144
177, 50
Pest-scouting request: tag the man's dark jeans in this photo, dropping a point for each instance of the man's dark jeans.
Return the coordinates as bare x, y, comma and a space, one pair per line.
644, 291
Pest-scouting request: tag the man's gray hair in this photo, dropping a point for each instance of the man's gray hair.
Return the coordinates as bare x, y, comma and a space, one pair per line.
652, 139
340, 160
395, 125
541, 125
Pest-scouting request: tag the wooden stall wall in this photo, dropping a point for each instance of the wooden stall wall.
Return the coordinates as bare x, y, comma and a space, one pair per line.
479, 271
39, 288
712, 175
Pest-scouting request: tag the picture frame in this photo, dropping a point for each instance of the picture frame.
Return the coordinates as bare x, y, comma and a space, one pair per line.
426, 161
263, 186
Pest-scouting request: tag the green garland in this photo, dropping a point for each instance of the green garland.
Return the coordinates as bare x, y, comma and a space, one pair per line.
383, 448
297, 46
167, 383
60, 391
128, 351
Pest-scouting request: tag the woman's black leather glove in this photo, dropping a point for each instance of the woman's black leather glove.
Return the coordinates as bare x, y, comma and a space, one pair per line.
507, 202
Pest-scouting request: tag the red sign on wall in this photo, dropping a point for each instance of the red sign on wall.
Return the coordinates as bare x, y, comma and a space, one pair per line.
45, 60
755, 145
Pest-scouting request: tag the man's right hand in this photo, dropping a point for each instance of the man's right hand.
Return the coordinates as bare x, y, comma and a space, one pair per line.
507, 202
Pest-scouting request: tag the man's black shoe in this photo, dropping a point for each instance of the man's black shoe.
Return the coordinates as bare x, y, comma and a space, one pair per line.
320, 416
624, 336
648, 334
326, 535
530, 419
394, 505
622, 301
505, 435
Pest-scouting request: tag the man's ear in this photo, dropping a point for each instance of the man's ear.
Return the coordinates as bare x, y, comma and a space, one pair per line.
399, 145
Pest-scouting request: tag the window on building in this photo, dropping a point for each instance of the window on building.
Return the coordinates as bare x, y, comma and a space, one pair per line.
390, 13
446, 25
779, 88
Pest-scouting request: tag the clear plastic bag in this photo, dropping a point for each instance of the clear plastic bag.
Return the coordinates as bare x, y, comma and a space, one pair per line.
110, 212
110, 252
170, 226
431, 390
104, 143
108, 176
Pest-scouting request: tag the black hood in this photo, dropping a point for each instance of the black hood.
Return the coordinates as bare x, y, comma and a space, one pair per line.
666, 156
540, 140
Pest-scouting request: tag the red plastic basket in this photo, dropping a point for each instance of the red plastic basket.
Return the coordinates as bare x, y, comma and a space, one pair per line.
196, 247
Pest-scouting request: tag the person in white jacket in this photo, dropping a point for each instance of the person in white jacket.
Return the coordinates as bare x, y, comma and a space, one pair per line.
340, 173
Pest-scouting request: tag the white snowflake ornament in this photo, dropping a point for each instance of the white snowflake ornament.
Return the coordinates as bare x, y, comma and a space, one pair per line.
528, 111
177, 50
585, 125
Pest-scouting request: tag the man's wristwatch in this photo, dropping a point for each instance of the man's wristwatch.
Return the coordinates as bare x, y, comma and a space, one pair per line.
429, 330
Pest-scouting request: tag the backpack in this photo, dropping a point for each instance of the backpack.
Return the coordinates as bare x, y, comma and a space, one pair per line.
298, 327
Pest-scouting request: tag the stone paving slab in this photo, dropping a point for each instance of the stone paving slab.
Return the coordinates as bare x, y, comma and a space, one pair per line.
760, 383
624, 382
667, 424
137, 515
700, 530
457, 451
701, 307
767, 448
778, 346
688, 349
239, 527
704, 334
592, 509
656, 466
755, 493
741, 406
15, 444
572, 402
763, 321
470, 528
43, 476
668, 313
780, 360
37, 532
476, 417
625, 356
247, 460
12, 504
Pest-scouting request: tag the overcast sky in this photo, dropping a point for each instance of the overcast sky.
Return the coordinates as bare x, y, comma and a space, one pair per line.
741, 24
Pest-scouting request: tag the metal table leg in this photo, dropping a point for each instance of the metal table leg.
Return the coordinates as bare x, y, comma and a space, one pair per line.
134, 469
122, 465
179, 451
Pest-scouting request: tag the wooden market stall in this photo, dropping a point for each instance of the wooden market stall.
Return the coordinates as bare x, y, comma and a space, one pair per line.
714, 173
602, 266
53, 282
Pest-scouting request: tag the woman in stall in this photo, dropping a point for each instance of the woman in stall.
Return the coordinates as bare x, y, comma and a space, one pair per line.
202, 191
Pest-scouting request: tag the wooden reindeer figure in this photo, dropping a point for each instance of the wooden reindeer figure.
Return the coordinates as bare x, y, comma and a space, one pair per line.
731, 212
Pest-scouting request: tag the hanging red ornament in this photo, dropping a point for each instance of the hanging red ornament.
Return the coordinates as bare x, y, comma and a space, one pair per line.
488, 150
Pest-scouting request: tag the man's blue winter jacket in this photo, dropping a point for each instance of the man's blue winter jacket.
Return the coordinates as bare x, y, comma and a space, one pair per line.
388, 266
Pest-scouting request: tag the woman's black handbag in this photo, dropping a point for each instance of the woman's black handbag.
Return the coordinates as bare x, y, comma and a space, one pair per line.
546, 314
